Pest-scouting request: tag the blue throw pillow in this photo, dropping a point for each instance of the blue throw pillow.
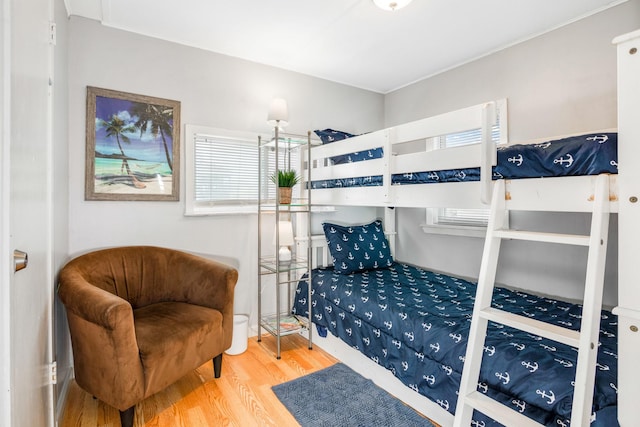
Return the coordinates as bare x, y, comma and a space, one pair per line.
328, 136
357, 248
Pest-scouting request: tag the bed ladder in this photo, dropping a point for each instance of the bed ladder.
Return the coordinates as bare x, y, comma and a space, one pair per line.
586, 341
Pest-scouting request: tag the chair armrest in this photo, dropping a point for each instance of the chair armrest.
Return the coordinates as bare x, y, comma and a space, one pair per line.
105, 351
92, 303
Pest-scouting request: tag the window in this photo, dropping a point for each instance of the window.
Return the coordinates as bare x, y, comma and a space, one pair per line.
222, 170
469, 222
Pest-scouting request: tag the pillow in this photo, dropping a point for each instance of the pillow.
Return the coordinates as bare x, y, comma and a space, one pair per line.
357, 248
328, 136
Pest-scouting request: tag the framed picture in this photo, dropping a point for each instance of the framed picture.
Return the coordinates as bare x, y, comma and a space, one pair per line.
133, 147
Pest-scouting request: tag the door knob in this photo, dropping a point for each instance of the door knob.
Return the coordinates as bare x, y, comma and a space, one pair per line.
20, 260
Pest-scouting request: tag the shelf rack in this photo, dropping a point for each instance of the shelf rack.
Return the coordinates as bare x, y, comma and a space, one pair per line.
277, 152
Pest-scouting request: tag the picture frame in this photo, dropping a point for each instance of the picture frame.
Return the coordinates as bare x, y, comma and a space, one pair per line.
132, 147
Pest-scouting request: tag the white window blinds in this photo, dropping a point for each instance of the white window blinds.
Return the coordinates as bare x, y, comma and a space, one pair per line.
226, 169
466, 217
222, 169
473, 136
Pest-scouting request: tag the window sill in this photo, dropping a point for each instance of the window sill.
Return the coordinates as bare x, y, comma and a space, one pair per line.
455, 230
242, 210
221, 210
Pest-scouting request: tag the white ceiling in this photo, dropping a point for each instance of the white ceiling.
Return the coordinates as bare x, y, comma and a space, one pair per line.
346, 41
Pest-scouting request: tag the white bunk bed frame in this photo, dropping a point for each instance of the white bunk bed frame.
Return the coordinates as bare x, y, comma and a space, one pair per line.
564, 194
628, 309
574, 198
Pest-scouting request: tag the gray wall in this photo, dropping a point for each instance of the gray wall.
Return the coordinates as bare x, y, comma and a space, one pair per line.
214, 90
559, 83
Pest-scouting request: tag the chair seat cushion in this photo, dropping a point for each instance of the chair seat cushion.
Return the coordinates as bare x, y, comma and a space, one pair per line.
173, 337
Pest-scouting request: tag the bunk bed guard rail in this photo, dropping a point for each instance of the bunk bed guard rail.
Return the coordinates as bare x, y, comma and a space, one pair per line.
393, 161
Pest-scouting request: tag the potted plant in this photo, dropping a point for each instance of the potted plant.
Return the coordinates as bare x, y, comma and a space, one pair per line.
285, 180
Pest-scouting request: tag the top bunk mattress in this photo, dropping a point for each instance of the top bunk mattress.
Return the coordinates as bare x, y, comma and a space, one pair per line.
588, 154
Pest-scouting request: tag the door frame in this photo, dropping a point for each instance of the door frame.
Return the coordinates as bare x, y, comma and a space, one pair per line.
5, 254
7, 362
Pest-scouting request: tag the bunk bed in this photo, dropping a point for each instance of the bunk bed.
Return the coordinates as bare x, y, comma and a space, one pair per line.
431, 316
388, 178
416, 323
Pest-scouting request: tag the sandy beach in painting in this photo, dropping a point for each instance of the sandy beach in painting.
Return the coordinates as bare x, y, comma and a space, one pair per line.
147, 178
123, 184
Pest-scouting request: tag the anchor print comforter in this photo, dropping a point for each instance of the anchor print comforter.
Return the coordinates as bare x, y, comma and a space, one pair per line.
415, 323
589, 154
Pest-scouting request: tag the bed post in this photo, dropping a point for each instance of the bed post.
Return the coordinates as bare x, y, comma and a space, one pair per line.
628, 309
389, 212
390, 137
390, 228
489, 154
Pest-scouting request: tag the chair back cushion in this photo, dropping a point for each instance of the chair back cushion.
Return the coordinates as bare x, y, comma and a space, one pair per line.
144, 275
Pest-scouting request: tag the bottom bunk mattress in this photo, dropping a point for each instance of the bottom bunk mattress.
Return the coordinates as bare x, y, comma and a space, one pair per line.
415, 323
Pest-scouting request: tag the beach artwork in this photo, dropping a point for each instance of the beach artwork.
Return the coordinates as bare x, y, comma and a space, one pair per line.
133, 150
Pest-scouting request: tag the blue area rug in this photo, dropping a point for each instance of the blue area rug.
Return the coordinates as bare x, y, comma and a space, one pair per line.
338, 396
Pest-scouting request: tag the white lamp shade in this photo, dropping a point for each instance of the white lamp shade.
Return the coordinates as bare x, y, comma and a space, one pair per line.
278, 113
286, 234
284, 254
391, 5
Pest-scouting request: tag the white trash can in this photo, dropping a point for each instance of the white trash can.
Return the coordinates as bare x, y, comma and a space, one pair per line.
240, 334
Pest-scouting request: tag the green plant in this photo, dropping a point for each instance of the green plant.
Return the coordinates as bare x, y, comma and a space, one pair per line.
285, 178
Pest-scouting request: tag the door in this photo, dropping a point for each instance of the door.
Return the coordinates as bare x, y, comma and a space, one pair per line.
26, 295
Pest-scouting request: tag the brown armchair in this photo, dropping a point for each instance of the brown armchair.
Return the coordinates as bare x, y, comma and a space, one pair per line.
142, 317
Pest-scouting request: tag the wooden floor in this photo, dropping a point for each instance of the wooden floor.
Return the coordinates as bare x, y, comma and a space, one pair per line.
242, 396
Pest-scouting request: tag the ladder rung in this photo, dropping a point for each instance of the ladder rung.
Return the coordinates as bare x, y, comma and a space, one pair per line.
534, 236
532, 326
499, 412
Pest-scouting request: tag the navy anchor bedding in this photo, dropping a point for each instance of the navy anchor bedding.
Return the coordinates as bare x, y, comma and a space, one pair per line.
415, 323
327, 136
589, 154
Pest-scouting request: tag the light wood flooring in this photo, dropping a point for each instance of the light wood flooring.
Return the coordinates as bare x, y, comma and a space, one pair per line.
241, 397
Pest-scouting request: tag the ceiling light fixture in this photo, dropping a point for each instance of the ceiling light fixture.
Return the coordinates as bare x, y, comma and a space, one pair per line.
391, 5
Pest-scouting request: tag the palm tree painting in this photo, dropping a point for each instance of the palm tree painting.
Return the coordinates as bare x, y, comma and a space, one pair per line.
132, 146
155, 119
